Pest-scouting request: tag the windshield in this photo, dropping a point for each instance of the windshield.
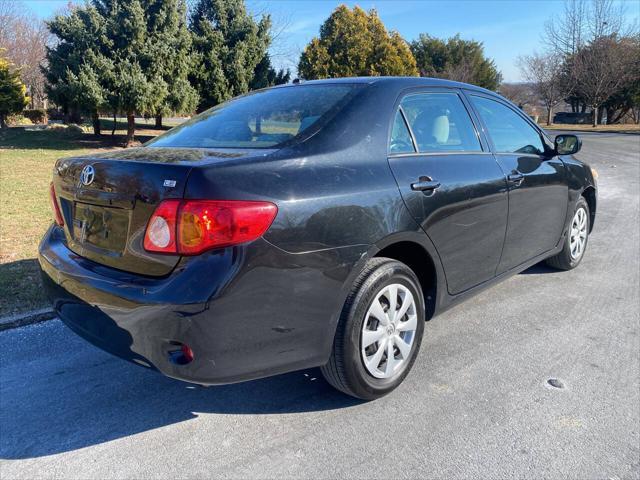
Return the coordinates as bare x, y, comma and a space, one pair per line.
263, 119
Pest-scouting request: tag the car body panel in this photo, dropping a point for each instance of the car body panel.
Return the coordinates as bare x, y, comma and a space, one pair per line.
272, 305
465, 217
537, 207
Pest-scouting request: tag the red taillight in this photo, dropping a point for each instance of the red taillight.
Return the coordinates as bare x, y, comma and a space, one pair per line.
57, 214
190, 227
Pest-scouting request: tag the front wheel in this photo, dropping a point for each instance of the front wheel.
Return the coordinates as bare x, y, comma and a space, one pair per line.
379, 332
575, 244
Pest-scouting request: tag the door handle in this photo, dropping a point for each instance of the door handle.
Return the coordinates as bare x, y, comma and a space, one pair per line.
425, 184
515, 178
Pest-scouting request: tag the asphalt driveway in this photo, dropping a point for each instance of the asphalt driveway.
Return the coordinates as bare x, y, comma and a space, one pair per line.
477, 403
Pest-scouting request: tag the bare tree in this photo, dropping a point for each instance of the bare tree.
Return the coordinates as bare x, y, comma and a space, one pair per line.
545, 71
602, 68
25, 38
606, 18
583, 22
565, 34
519, 93
580, 36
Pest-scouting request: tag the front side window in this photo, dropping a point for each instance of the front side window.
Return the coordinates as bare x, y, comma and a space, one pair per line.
509, 131
264, 119
440, 123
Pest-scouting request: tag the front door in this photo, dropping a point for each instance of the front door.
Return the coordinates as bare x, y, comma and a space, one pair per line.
452, 186
538, 192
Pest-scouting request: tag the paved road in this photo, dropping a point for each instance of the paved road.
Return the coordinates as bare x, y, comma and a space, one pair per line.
476, 404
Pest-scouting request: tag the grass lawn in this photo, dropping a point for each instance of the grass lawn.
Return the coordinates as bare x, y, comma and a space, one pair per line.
589, 128
26, 163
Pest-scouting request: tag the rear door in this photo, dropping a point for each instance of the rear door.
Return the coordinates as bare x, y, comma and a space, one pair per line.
450, 183
538, 191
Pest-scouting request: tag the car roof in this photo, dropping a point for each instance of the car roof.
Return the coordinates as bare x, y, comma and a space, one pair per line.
398, 82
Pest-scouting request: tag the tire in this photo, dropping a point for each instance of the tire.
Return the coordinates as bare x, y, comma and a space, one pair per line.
565, 260
346, 369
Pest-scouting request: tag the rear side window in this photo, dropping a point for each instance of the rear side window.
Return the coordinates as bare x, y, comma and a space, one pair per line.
400, 137
509, 131
263, 119
440, 123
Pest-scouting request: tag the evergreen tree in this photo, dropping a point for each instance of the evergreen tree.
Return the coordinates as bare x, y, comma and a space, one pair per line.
228, 45
355, 43
455, 59
168, 56
135, 89
265, 75
78, 68
13, 97
126, 56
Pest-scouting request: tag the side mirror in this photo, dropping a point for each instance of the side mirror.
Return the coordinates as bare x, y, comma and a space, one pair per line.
567, 144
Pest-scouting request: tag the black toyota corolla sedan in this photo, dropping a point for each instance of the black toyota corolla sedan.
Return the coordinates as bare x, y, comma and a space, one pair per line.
313, 224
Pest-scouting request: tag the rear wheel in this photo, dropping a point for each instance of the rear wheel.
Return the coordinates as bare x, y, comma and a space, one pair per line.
575, 243
379, 333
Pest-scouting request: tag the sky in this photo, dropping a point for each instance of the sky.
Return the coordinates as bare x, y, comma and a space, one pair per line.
507, 28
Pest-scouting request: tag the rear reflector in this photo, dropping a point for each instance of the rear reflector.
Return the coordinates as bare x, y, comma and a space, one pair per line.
57, 214
180, 353
190, 227
187, 353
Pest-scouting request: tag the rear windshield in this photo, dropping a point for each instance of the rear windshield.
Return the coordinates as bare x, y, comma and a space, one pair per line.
264, 119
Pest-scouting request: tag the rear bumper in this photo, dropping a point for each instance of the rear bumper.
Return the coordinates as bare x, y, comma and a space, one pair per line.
246, 312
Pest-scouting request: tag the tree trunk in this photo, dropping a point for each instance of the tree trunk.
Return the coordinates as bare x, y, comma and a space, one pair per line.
159, 121
74, 116
95, 120
131, 128
595, 116
616, 116
115, 122
549, 111
3, 121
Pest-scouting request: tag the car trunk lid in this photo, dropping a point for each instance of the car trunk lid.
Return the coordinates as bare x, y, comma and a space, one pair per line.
107, 200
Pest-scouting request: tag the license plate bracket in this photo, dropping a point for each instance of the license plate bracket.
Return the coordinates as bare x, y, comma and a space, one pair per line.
104, 227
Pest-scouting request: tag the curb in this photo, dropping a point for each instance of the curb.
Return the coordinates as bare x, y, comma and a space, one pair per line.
28, 318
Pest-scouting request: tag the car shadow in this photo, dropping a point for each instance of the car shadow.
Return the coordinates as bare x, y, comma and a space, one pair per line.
74, 396
537, 269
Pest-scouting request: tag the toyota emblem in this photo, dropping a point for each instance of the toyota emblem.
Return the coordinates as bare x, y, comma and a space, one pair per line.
87, 175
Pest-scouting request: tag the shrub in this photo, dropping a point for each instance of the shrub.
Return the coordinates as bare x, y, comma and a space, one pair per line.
73, 129
36, 116
55, 114
18, 119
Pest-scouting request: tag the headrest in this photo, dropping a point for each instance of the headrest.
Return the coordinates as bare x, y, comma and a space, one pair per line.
432, 126
440, 129
234, 131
